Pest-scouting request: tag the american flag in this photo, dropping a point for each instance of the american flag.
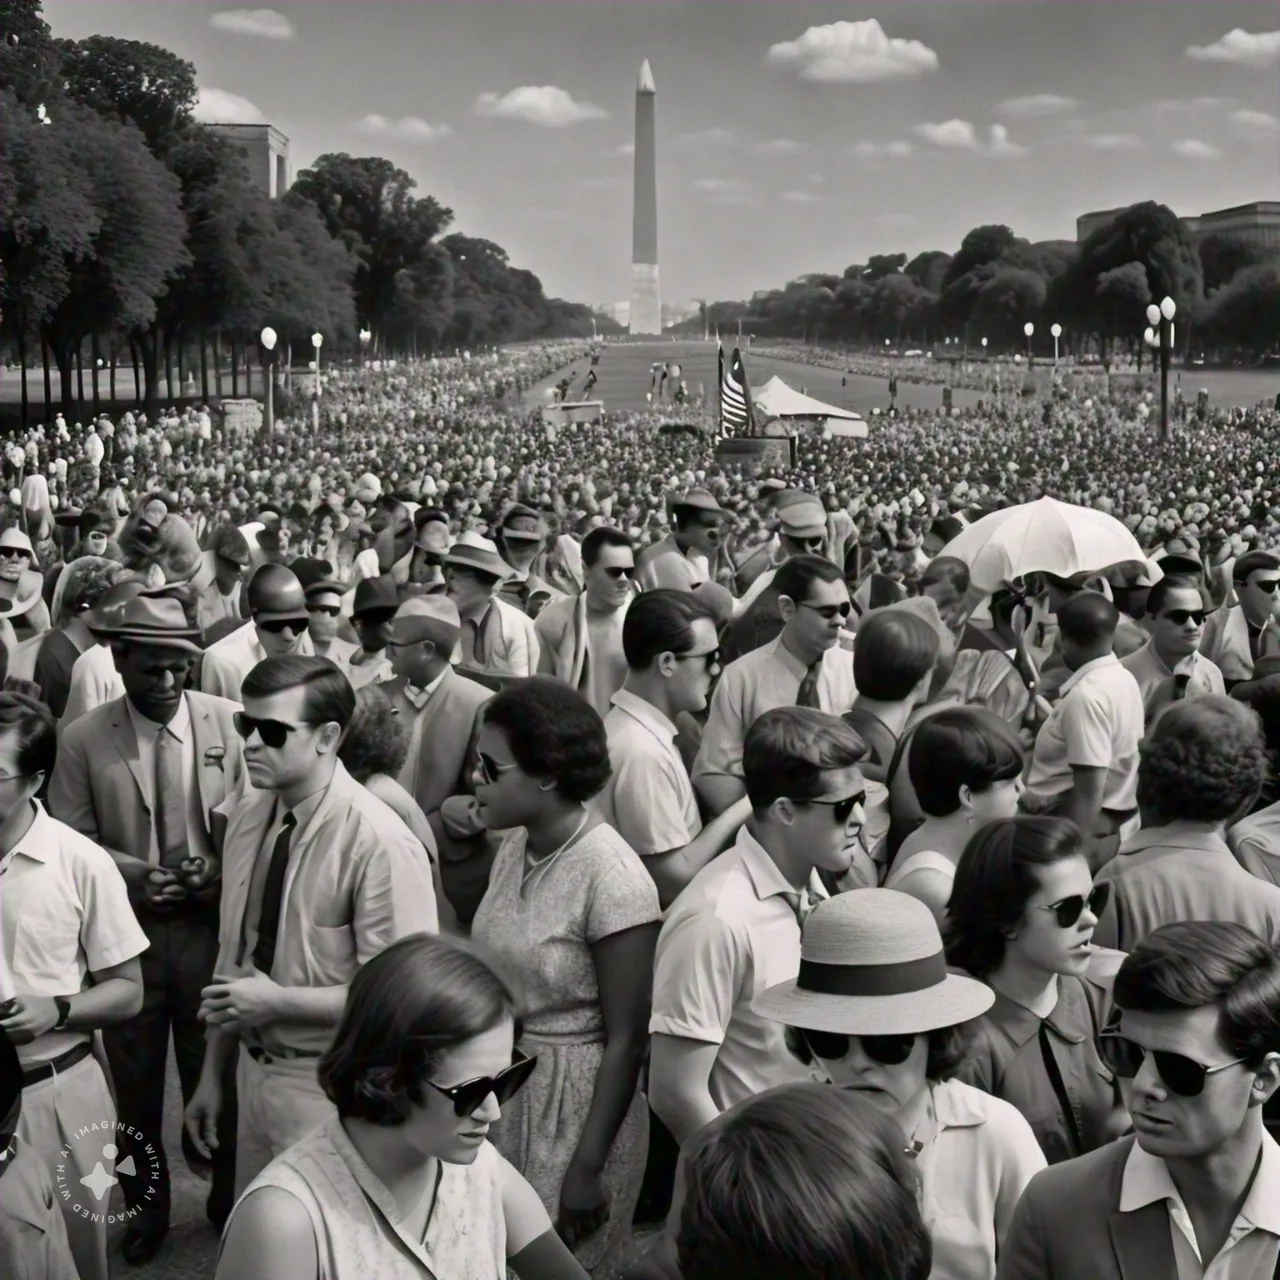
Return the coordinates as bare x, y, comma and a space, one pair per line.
735, 397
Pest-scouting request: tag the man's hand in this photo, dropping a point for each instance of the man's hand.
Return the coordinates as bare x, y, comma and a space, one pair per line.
236, 1003
201, 1116
202, 877
29, 1018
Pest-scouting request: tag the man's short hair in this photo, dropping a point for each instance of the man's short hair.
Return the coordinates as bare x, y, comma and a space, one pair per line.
1251, 562
1196, 964
1088, 618
895, 650
788, 749
658, 622
795, 577
330, 698
34, 731
603, 536
950, 569
1163, 589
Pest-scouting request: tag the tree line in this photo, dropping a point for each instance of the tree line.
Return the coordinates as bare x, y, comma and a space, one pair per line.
132, 234
1227, 293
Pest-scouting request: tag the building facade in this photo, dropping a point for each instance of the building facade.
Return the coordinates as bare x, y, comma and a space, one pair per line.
1256, 224
265, 151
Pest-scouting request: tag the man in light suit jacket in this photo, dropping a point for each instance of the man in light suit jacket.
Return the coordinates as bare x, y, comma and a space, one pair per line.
497, 638
1197, 1188
1237, 637
143, 776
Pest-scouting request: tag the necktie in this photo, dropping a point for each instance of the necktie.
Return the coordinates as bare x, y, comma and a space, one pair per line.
1180, 682
264, 952
171, 801
807, 694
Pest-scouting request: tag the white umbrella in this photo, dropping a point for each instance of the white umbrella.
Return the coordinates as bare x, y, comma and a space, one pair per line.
1046, 536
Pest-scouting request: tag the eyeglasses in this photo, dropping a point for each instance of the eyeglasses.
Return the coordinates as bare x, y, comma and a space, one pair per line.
1069, 910
842, 809
491, 770
274, 733
329, 610
811, 544
278, 626
1179, 1074
833, 1046
1267, 585
617, 572
829, 611
1180, 617
14, 553
467, 1096
711, 659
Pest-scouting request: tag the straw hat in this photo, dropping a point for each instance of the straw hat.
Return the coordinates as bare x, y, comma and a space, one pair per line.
474, 551
871, 964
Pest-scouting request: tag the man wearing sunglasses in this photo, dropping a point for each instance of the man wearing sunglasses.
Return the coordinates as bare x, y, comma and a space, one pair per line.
278, 627
1170, 666
1238, 636
680, 562
324, 595
1196, 1190
318, 876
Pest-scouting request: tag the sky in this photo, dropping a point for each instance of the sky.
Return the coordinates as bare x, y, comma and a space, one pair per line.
792, 136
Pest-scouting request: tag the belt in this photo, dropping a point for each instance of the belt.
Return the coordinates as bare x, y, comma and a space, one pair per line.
268, 1056
47, 1070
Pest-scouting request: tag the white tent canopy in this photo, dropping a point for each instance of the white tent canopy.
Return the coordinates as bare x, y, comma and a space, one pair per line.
778, 400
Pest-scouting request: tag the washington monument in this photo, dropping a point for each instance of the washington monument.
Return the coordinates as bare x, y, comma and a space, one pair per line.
646, 306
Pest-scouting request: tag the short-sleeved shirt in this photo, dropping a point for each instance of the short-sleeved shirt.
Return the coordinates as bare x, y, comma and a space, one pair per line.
760, 681
1097, 724
731, 934
64, 913
649, 799
665, 565
1155, 677
542, 922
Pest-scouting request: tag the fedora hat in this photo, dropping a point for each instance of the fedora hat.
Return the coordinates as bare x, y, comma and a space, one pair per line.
155, 620
107, 612
474, 551
375, 595
317, 577
696, 500
871, 963
523, 524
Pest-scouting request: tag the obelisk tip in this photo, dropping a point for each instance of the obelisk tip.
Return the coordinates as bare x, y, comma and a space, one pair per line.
646, 84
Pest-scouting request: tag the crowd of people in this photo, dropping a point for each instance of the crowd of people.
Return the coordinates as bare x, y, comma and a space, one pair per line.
522, 831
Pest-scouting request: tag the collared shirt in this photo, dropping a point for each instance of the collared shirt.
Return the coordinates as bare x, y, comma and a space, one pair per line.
1164, 875
757, 682
1255, 841
65, 913
649, 799
665, 565
147, 732
1097, 724
212, 606
732, 933
227, 661
1155, 677
420, 697
1253, 1243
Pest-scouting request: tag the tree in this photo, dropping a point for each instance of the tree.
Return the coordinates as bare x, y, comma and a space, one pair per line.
29, 58
929, 269
1222, 258
880, 265
1246, 312
981, 246
1122, 294
1006, 301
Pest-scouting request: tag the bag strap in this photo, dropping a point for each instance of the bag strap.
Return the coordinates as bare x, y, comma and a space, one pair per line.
1059, 1087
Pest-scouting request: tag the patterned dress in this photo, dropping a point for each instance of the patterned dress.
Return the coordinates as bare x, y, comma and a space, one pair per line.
541, 927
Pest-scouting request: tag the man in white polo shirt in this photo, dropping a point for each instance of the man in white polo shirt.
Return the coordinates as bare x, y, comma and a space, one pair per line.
1085, 763
736, 929
669, 639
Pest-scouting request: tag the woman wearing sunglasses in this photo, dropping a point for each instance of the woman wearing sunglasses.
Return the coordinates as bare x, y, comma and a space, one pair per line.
875, 1010
403, 1183
1022, 916
572, 910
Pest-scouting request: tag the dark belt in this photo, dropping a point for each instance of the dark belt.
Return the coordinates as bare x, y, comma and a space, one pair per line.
47, 1070
268, 1056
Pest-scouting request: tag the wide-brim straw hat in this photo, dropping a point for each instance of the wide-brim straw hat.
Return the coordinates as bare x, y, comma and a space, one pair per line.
872, 964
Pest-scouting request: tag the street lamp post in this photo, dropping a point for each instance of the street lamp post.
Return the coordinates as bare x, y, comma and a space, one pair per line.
1161, 337
365, 336
269, 345
1056, 330
317, 340
1029, 329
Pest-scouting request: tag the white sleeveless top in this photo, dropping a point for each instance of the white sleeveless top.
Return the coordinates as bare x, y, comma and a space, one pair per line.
921, 860
356, 1223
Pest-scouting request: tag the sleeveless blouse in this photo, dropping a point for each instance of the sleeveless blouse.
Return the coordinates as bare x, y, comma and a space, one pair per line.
921, 860
357, 1226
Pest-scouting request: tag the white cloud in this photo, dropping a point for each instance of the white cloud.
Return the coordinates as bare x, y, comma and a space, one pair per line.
1039, 104
1166, 105
217, 106
715, 134
406, 129
1001, 148
799, 197
626, 149
781, 147
955, 135
853, 53
881, 150
718, 186
1194, 149
1244, 48
547, 105
1254, 122
1115, 142
265, 24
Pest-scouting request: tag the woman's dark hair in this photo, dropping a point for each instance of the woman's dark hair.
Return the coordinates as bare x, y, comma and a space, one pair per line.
996, 877
33, 729
658, 622
1195, 964
802, 1182
896, 649
960, 747
788, 749
1205, 760
330, 698
554, 733
948, 1047
406, 1008
376, 740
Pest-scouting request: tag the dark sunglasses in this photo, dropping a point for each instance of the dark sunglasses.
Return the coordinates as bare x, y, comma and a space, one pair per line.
1180, 617
491, 770
829, 611
1267, 585
17, 553
468, 1096
1180, 1074
617, 572
274, 733
1069, 910
711, 659
833, 1046
277, 626
842, 809
331, 610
